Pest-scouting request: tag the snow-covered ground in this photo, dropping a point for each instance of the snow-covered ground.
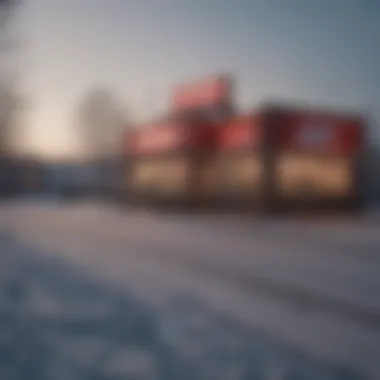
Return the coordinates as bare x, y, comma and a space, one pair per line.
197, 297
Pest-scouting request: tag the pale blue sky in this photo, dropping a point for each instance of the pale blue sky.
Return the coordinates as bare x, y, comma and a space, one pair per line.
322, 51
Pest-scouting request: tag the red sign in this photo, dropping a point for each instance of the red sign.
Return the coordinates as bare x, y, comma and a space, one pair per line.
157, 138
203, 93
321, 132
239, 133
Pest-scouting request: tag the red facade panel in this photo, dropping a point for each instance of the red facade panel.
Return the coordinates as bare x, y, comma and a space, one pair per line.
240, 132
319, 132
202, 135
169, 136
157, 137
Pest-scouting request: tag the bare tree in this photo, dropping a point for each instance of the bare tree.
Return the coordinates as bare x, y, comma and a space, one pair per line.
101, 122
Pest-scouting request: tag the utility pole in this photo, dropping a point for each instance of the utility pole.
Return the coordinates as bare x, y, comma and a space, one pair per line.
8, 97
7, 90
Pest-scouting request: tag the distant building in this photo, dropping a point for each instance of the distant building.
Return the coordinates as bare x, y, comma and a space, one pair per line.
79, 176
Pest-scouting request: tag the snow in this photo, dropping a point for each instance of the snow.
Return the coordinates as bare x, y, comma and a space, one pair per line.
93, 272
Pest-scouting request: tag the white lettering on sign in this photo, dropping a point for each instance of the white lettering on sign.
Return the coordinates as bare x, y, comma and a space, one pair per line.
159, 139
315, 134
207, 92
